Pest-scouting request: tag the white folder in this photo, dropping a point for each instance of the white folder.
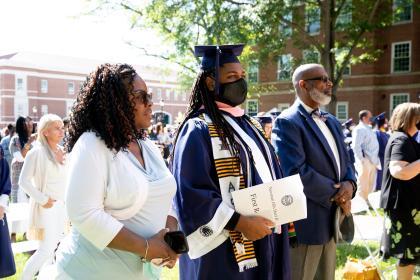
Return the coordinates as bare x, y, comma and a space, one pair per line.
281, 201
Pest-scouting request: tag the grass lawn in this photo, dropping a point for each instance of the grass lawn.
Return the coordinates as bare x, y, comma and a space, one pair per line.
356, 250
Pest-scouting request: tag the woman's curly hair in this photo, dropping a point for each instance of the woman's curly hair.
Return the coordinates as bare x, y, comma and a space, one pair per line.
103, 106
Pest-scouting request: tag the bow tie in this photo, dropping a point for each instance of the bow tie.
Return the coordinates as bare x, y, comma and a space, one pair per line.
321, 115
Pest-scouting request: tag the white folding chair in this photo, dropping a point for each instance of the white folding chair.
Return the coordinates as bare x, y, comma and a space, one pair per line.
374, 201
358, 205
20, 212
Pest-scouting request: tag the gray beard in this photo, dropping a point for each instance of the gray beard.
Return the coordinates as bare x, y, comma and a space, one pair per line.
319, 97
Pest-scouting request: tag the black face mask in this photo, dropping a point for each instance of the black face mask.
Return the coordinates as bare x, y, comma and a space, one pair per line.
233, 93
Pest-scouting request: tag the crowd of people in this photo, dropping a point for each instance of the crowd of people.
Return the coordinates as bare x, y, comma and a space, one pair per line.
102, 204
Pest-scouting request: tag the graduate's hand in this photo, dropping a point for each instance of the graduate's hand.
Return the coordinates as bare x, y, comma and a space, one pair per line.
170, 264
159, 249
2, 210
254, 227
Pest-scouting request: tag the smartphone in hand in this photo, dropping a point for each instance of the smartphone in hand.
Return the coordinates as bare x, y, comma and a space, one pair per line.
177, 241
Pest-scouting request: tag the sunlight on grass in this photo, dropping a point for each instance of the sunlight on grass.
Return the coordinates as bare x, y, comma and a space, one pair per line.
355, 250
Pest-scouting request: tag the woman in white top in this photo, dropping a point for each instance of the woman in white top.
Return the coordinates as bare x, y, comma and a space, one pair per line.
119, 193
43, 178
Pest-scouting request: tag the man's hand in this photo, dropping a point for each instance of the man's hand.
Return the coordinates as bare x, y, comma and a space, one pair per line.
346, 207
49, 204
254, 227
344, 194
2, 210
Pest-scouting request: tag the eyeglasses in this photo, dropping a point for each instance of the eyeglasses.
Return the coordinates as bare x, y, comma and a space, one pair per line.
142, 96
324, 79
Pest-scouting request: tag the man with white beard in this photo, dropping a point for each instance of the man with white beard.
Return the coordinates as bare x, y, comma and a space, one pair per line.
309, 142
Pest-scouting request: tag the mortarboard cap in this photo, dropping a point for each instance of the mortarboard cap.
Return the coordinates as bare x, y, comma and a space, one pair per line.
379, 117
214, 56
348, 123
264, 119
275, 114
223, 53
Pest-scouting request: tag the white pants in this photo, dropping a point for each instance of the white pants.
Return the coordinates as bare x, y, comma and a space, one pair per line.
54, 220
366, 177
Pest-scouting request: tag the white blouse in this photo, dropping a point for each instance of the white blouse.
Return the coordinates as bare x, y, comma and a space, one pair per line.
107, 191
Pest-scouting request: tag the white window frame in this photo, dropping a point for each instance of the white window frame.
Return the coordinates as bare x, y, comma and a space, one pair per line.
346, 105
279, 66
184, 96
251, 101
44, 86
44, 109
307, 25
404, 21
20, 91
393, 56
306, 51
69, 91
343, 16
257, 72
285, 28
69, 106
391, 99
23, 102
168, 94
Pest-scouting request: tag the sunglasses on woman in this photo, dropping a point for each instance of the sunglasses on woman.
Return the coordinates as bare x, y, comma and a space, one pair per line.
142, 96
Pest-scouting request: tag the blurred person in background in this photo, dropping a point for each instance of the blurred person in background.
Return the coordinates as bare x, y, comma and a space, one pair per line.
7, 263
348, 127
5, 142
266, 122
43, 178
366, 148
381, 130
400, 194
20, 144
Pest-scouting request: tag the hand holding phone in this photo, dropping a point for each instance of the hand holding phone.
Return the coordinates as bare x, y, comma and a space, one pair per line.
177, 241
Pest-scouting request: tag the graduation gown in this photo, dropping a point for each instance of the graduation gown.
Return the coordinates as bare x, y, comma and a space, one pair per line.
382, 140
7, 263
199, 200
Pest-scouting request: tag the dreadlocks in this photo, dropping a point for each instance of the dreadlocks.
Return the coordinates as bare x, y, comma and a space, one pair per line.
201, 95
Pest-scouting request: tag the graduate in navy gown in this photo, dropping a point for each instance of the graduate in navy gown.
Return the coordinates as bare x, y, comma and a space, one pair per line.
7, 263
382, 136
218, 150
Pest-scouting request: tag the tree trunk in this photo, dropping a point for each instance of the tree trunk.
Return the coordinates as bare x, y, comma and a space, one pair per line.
329, 43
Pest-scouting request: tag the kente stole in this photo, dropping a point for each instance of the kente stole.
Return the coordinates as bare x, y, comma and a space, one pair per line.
231, 178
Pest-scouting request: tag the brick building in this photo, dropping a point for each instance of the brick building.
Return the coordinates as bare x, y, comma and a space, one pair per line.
34, 84
393, 79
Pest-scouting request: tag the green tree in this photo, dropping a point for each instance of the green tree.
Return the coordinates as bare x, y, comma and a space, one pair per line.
340, 31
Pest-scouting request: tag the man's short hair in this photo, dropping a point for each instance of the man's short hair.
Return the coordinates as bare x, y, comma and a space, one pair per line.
363, 114
300, 71
10, 126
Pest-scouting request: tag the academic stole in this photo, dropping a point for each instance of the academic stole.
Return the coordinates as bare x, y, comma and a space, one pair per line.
291, 231
231, 178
